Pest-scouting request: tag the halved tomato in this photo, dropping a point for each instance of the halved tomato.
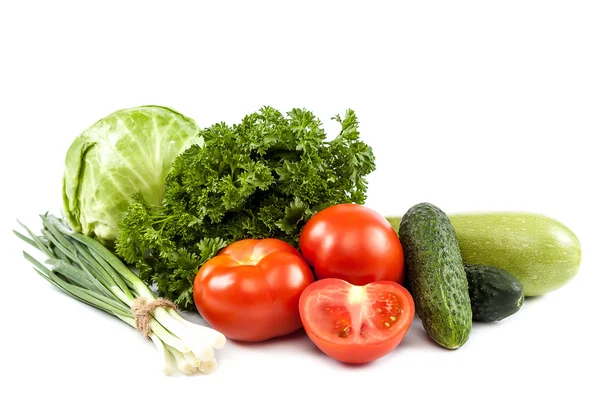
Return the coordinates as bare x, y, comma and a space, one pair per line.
356, 324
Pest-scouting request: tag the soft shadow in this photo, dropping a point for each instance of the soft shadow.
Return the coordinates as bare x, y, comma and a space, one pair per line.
298, 338
416, 337
533, 299
194, 317
352, 366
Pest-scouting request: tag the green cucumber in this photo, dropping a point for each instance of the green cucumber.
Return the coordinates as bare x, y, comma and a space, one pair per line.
436, 275
542, 253
495, 294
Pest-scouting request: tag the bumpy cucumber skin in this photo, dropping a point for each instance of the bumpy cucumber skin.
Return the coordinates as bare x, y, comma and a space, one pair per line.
540, 252
436, 275
495, 294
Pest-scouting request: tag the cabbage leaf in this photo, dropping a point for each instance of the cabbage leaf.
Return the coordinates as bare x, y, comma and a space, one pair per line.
130, 151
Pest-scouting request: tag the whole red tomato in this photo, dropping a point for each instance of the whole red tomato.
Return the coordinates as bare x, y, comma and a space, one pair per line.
250, 290
353, 243
356, 324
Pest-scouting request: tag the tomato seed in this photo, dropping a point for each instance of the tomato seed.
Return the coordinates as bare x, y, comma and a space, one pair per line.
344, 333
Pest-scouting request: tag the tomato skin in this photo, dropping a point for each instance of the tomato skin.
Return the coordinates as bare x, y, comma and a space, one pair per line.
353, 243
378, 340
355, 354
251, 289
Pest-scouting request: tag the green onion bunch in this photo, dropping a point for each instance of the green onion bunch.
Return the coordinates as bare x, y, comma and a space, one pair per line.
87, 271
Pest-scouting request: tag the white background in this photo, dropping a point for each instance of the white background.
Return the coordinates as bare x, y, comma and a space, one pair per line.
470, 105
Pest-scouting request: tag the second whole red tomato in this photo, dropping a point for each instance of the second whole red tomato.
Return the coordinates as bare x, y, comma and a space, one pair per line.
251, 289
354, 243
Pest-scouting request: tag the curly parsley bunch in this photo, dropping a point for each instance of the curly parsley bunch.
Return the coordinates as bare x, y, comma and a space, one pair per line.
264, 177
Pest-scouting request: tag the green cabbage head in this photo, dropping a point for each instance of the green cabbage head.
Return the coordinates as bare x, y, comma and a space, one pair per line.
130, 151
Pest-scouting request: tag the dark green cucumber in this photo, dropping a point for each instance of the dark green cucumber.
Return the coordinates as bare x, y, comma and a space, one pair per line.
436, 275
495, 294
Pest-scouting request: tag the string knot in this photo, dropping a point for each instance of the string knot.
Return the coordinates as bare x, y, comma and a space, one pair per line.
142, 312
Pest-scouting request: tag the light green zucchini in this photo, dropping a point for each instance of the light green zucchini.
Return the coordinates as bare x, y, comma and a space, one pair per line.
542, 253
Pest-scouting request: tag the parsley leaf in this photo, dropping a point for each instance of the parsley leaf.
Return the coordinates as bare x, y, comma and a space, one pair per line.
264, 177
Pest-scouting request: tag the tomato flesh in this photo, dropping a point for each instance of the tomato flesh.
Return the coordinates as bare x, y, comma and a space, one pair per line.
356, 324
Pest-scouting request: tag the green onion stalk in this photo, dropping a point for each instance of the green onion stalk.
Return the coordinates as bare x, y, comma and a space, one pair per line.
84, 269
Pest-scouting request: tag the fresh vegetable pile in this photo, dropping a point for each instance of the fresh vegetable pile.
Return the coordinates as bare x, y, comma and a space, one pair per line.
260, 227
